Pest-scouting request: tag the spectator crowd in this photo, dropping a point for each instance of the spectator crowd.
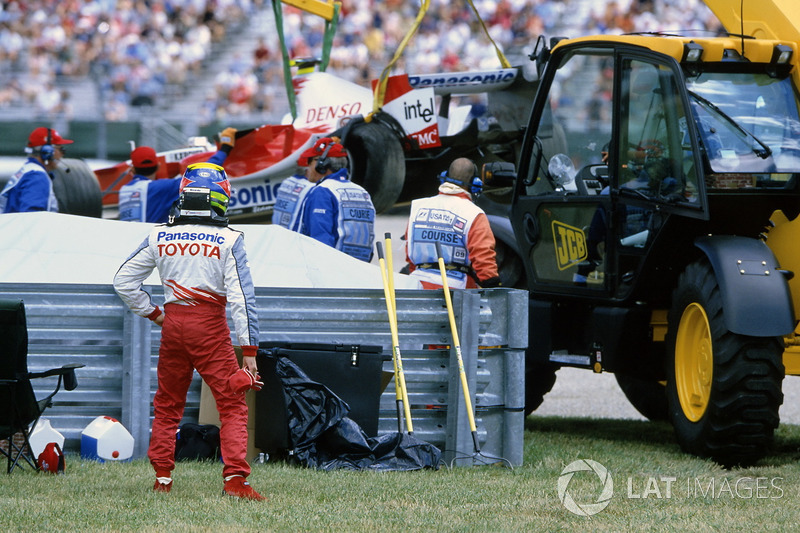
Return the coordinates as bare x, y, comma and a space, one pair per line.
133, 49
142, 52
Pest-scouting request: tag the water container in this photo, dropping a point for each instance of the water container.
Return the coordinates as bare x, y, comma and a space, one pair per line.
106, 439
42, 435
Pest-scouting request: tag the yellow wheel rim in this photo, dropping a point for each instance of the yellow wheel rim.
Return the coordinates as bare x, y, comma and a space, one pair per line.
694, 362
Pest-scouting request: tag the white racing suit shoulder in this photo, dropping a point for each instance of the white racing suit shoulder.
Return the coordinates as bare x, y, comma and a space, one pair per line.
197, 264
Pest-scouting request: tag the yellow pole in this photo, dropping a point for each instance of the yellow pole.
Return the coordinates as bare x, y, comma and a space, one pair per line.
401, 392
457, 345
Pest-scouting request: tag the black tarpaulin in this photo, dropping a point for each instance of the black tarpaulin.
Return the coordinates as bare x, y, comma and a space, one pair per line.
322, 436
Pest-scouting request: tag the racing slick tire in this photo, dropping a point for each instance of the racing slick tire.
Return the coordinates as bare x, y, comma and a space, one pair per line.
377, 163
723, 389
77, 189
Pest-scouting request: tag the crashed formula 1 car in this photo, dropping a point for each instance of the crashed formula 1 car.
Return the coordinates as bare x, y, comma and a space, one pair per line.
395, 153
399, 135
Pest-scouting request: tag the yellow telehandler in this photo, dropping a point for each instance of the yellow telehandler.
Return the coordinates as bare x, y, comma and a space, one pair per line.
652, 215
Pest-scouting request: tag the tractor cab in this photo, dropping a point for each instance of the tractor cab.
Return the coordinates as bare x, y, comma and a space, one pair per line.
650, 170
632, 155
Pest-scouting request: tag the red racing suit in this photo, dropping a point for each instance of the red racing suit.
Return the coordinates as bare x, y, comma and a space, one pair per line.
202, 268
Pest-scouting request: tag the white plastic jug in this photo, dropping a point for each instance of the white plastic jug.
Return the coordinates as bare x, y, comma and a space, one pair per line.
42, 435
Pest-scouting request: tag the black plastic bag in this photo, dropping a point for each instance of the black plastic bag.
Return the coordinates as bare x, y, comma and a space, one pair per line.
345, 446
312, 408
322, 436
195, 442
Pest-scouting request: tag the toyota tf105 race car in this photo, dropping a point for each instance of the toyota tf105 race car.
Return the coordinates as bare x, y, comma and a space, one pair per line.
395, 153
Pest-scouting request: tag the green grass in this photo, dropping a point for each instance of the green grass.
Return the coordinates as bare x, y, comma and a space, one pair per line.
94, 496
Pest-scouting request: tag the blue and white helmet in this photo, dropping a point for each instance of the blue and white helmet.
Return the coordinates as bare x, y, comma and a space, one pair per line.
210, 179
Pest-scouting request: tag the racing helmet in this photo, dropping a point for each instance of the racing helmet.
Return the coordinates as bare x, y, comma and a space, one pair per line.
204, 186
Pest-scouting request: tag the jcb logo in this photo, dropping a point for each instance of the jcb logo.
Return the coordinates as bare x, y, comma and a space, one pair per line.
570, 245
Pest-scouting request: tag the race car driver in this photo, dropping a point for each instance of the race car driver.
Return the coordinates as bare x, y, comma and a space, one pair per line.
203, 266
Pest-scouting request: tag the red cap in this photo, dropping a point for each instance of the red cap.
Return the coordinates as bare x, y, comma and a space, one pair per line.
144, 157
334, 149
42, 136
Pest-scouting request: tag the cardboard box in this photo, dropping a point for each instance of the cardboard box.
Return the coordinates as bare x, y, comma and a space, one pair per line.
209, 414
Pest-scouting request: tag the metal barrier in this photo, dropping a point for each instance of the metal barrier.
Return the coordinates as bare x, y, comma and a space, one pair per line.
89, 324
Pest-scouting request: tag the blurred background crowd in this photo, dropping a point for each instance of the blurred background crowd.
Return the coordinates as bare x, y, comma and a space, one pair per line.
218, 60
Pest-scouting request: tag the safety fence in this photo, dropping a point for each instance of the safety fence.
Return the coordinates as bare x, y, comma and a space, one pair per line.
73, 323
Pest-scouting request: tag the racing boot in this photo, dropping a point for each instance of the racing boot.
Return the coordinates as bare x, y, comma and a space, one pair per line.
163, 481
238, 487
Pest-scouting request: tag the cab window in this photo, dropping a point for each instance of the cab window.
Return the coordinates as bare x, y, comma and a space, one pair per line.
575, 129
653, 155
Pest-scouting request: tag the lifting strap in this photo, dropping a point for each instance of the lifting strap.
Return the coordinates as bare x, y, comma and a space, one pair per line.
327, 9
380, 88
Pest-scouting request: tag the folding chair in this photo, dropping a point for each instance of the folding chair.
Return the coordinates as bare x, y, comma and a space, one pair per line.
19, 408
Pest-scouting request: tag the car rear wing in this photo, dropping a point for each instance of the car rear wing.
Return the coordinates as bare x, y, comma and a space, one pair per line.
468, 82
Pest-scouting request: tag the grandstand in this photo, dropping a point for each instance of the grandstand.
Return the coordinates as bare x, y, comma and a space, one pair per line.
156, 72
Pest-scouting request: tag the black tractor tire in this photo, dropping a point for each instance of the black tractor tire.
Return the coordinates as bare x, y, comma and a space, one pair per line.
646, 396
377, 162
77, 189
539, 380
723, 389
